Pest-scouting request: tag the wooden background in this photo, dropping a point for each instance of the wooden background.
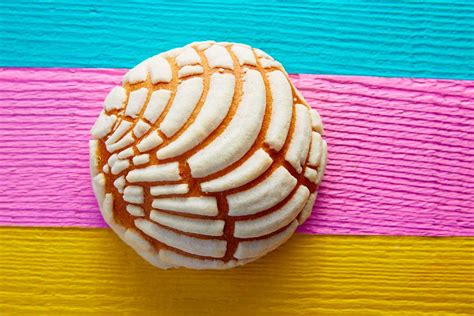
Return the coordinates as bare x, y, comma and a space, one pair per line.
392, 231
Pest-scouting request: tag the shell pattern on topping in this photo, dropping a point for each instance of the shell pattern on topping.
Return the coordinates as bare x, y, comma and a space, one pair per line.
206, 157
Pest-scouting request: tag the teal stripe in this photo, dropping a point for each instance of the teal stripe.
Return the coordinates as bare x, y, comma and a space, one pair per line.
420, 39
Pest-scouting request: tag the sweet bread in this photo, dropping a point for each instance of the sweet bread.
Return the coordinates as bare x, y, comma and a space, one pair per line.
206, 157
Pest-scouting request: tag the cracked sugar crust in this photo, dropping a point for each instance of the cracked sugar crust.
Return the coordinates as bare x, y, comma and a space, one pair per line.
206, 157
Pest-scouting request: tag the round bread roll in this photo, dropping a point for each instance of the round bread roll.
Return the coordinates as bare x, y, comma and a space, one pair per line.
206, 157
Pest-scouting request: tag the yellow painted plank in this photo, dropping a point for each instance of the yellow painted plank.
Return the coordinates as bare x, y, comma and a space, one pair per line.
67, 271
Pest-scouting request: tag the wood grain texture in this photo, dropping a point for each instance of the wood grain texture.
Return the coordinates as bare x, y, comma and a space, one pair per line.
431, 39
68, 271
400, 151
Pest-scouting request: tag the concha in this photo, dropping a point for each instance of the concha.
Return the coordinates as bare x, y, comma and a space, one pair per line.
206, 157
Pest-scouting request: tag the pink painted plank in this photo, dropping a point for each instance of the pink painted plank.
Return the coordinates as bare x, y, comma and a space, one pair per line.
401, 151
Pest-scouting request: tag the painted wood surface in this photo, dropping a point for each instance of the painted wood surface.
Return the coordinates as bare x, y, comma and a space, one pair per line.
400, 151
431, 39
400, 158
66, 271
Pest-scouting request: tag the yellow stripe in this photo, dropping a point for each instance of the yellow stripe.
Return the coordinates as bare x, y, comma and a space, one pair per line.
46, 270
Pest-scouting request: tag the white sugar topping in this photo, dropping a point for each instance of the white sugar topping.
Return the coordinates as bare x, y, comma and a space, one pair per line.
239, 135
115, 100
182, 188
299, 144
202, 247
206, 205
155, 173
282, 109
136, 101
279, 218
156, 105
255, 248
263, 195
217, 56
207, 227
133, 194
187, 97
213, 111
248, 171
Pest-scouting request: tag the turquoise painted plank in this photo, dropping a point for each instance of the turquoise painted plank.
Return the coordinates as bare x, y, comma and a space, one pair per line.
410, 39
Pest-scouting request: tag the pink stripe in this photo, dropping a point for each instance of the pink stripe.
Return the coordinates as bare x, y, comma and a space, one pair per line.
401, 151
